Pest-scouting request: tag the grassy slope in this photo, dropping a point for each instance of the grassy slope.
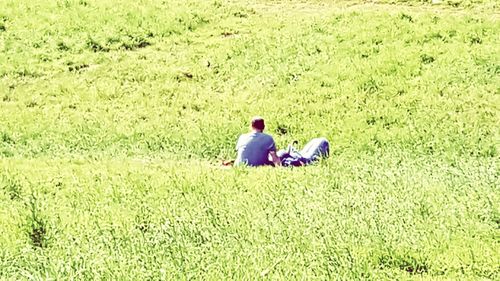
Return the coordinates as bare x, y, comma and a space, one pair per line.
97, 97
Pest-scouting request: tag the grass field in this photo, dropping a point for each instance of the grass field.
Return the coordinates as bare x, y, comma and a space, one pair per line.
115, 115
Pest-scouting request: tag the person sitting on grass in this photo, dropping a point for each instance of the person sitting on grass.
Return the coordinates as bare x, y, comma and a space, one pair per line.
258, 149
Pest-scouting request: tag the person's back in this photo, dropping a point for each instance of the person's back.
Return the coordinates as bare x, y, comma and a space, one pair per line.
254, 148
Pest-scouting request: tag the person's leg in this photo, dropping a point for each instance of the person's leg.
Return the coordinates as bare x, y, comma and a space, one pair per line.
315, 149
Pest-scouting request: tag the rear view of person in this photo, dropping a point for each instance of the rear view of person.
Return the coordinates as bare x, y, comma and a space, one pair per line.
256, 148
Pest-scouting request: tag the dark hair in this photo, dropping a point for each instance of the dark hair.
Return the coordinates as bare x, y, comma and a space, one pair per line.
258, 123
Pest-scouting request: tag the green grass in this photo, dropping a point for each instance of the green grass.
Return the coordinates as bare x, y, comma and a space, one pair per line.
114, 116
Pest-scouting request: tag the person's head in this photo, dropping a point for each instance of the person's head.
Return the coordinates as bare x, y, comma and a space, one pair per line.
257, 123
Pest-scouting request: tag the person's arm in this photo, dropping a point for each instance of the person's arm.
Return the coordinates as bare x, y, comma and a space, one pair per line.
272, 152
237, 144
276, 160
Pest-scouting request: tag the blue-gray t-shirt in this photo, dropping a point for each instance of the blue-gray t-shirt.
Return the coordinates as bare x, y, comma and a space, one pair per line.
253, 149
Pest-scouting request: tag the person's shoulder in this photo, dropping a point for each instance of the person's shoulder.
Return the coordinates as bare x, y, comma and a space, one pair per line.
243, 137
246, 135
267, 136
